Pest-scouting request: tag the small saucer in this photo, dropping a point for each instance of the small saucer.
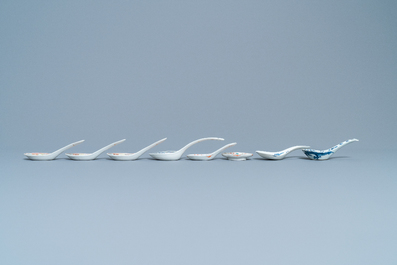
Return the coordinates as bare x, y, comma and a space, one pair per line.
36, 154
237, 156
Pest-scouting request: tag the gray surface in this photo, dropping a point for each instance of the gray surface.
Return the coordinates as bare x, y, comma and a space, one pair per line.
271, 74
265, 74
294, 211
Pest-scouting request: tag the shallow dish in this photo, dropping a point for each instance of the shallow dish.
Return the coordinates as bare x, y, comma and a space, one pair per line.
237, 156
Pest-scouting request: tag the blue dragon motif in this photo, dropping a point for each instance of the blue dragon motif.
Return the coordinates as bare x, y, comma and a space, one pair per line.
317, 155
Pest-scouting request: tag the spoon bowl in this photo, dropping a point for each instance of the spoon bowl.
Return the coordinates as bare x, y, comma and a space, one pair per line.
237, 156
122, 156
168, 155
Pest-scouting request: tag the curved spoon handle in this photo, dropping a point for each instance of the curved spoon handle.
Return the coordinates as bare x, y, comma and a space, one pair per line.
336, 147
222, 148
293, 148
100, 151
57, 152
183, 149
140, 152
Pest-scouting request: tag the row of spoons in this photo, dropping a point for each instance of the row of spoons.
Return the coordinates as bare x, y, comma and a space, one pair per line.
176, 155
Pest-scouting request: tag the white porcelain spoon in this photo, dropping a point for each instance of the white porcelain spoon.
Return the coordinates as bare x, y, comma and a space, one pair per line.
84, 156
175, 155
281, 154
53, 155
133, 156
325, 154
206, 157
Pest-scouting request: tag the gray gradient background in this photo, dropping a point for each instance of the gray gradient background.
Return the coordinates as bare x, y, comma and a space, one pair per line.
264, 74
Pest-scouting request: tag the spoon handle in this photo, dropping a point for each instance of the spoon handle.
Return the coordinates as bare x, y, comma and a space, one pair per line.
293, 148
222, 148
336, 147
183, 149
57, 152
140, 152
100, 151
